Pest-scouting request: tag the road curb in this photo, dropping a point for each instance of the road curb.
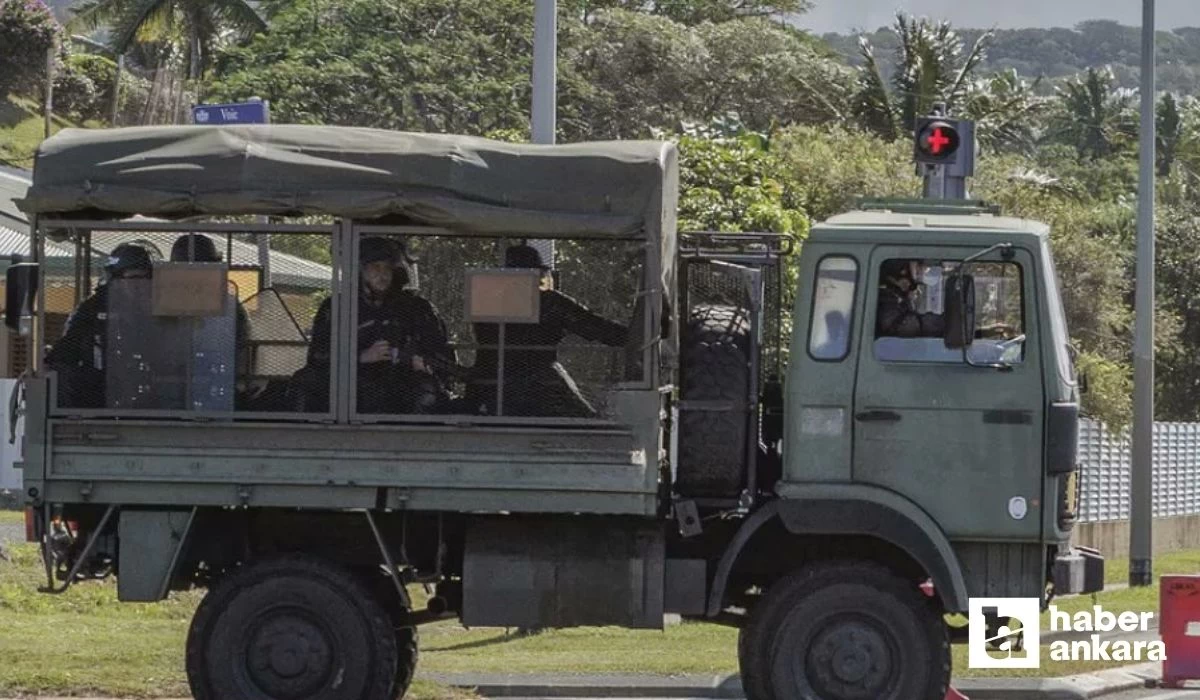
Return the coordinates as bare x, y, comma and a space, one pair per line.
1083, 686
521, 685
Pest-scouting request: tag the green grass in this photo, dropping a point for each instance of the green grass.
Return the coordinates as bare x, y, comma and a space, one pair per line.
99, 645
12, 517
85, 641
22, 129
1185, 562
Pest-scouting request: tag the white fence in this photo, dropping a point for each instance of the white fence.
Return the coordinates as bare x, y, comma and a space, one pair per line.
1105, 463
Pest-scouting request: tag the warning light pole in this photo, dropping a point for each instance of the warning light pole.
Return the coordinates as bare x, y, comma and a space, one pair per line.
944, 150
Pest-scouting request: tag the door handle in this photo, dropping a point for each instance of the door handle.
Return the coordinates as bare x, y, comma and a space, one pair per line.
878, 416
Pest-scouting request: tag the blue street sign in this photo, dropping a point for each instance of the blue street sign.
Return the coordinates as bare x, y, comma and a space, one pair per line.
236, 113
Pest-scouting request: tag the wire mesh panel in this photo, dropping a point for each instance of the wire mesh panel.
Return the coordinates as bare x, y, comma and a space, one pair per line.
483, 327
164, 322
1105, 472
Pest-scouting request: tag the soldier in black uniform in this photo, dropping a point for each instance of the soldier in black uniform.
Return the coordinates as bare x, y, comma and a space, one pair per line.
535, 382
79, 356
399, 341
897, 315
426, 332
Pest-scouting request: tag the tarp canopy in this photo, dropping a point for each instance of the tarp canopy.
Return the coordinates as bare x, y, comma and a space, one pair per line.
460, 182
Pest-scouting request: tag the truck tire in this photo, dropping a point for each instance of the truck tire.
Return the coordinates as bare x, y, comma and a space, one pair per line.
406, 660
715, 366
291, 627
845, 631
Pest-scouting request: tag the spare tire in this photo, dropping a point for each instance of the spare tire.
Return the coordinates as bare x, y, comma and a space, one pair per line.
714, 366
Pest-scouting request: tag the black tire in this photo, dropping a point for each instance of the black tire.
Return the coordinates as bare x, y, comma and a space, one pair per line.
714, 366
846, 631
291, 627
406, 660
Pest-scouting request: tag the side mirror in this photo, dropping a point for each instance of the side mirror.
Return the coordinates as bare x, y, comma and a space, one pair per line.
20, 287
960, 311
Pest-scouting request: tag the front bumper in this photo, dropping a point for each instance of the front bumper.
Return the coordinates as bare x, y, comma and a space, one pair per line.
1078, 570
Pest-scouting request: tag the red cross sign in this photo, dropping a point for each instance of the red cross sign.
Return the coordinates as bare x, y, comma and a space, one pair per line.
937, 141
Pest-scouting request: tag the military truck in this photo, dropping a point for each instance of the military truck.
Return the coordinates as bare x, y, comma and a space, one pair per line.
831, 444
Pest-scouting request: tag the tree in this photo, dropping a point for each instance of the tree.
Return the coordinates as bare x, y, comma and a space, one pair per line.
28, 32
195, 26
1007, 112
421, 65
930, 67
692, 12
1094, 115
628, 72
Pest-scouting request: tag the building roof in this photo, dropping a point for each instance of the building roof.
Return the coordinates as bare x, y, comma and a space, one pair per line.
286, 270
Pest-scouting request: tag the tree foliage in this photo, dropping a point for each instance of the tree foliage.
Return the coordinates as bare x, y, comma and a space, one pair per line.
692, 12
193, 28
931, 65
28, 31
427, 65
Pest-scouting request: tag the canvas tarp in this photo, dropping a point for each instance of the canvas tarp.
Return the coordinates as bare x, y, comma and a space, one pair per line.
459, 182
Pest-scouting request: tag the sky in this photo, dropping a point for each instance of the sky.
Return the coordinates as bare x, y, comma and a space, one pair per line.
851, 15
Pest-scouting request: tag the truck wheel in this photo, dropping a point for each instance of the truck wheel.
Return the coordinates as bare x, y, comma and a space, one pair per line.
406, 662
291, 627
715, 366
846, 631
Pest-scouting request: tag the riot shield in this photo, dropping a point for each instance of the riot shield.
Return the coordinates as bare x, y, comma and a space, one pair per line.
163, 359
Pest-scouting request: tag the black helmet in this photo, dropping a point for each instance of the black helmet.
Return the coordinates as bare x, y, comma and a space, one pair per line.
376, 249
204, 249
524, 256
894, 269
125, 257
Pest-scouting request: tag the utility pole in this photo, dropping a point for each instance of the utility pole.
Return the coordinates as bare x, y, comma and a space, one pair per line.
1141, 513
48, 106
264, 239
545, 89
116, 96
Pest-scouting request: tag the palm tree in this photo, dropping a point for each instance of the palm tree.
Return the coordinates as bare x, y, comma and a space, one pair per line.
930, 67
1094, 115
195, 26
1006, 111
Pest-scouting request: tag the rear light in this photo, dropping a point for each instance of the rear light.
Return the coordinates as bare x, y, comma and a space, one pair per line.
30, 531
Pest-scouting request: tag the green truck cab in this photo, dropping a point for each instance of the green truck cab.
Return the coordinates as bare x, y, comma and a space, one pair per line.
835, 476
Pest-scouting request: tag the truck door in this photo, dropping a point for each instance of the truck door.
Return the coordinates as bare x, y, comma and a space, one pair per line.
962, 441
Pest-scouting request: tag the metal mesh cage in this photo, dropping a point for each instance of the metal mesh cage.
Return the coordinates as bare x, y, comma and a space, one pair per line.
422, 351
209, 331
165, 322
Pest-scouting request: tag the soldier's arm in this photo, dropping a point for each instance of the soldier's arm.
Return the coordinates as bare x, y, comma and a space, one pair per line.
75, 345
319, 343
585, 323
